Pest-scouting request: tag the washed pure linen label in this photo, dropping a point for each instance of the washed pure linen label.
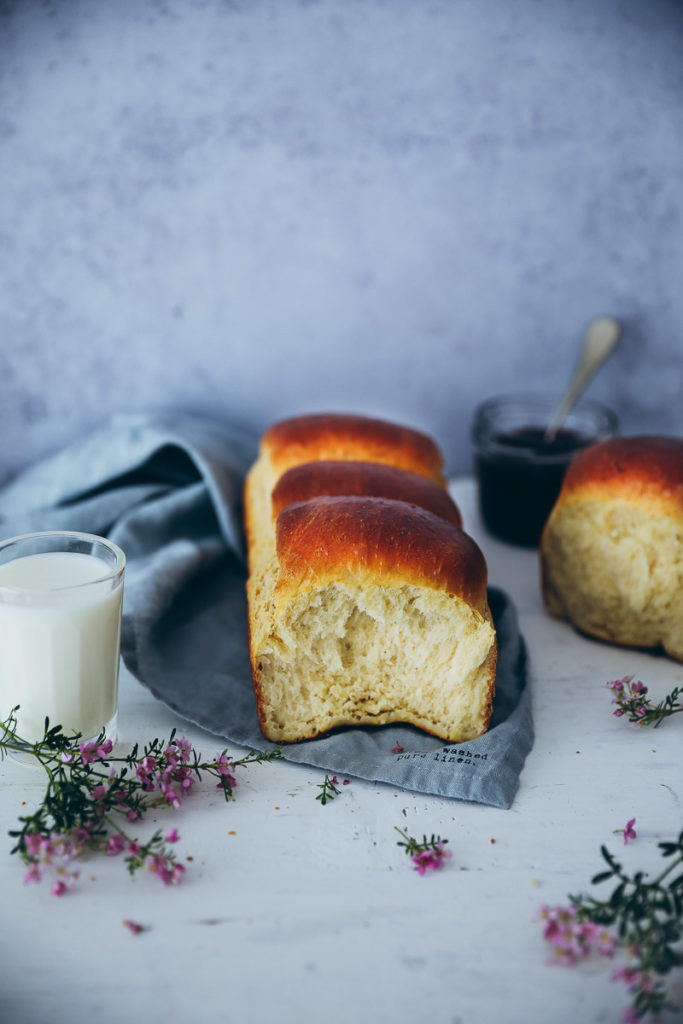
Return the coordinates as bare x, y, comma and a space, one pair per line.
168, 490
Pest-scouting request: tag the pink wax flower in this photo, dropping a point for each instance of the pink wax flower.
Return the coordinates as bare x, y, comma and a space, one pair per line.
430, 860
629, 831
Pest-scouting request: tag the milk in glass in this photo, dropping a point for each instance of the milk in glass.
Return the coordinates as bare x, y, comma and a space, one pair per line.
60, 616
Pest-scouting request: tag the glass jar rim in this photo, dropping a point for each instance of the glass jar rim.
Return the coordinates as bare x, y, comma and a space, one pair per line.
599, 422
534, 398
75, 537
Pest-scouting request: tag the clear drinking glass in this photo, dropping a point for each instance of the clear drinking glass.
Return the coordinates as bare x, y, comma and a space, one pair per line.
60, 630
519, 474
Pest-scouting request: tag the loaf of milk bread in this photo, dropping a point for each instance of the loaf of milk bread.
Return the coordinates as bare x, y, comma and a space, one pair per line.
367, 601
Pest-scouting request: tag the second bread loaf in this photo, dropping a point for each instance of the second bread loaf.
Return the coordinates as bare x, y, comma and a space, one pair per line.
612, 549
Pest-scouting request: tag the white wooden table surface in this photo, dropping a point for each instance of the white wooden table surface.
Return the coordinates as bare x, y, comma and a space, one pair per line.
295, 912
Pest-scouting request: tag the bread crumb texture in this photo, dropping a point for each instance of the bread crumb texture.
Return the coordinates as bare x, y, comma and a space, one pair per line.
614, 569
347, 654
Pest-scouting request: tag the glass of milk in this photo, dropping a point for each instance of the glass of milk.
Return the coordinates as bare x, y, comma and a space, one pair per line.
60, 631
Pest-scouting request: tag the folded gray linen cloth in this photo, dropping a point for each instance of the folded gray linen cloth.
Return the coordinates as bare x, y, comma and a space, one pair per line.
168, 490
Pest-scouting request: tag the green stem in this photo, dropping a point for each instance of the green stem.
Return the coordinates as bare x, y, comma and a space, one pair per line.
665, 713
117, 828
668, 870
411, 845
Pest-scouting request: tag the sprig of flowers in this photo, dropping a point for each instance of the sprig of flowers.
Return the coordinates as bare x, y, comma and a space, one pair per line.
92, 798
643, 919
429, 855
629, 697
328, 789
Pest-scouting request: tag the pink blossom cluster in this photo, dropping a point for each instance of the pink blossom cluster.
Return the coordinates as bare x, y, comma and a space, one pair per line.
629, 697
166, 869
225, 769
635, 981
90, 752
53, 855
430, 859
172, 776
335, 781
571, 938
104, 797
159, 863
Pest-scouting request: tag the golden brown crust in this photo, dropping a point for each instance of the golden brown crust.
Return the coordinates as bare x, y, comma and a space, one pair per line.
641, 469
344, 436
248, 502
380, 542
362, 479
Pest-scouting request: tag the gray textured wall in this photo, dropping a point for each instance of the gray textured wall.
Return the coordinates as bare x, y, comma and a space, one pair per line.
249, 209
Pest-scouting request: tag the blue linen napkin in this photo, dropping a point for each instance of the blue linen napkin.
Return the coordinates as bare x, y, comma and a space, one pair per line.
168, 490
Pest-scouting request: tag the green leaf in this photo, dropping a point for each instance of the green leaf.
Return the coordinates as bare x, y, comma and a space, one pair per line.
617, 896
607, 856
602, 877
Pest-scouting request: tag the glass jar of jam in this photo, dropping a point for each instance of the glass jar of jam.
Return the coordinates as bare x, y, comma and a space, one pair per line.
519, 472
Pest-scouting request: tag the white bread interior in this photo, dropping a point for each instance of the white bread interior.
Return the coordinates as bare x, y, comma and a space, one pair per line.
616, 572
346, 654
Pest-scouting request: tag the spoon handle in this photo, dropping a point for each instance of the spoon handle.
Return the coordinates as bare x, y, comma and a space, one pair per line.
602, 337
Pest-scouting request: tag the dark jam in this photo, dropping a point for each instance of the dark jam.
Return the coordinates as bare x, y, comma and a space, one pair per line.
520, 478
